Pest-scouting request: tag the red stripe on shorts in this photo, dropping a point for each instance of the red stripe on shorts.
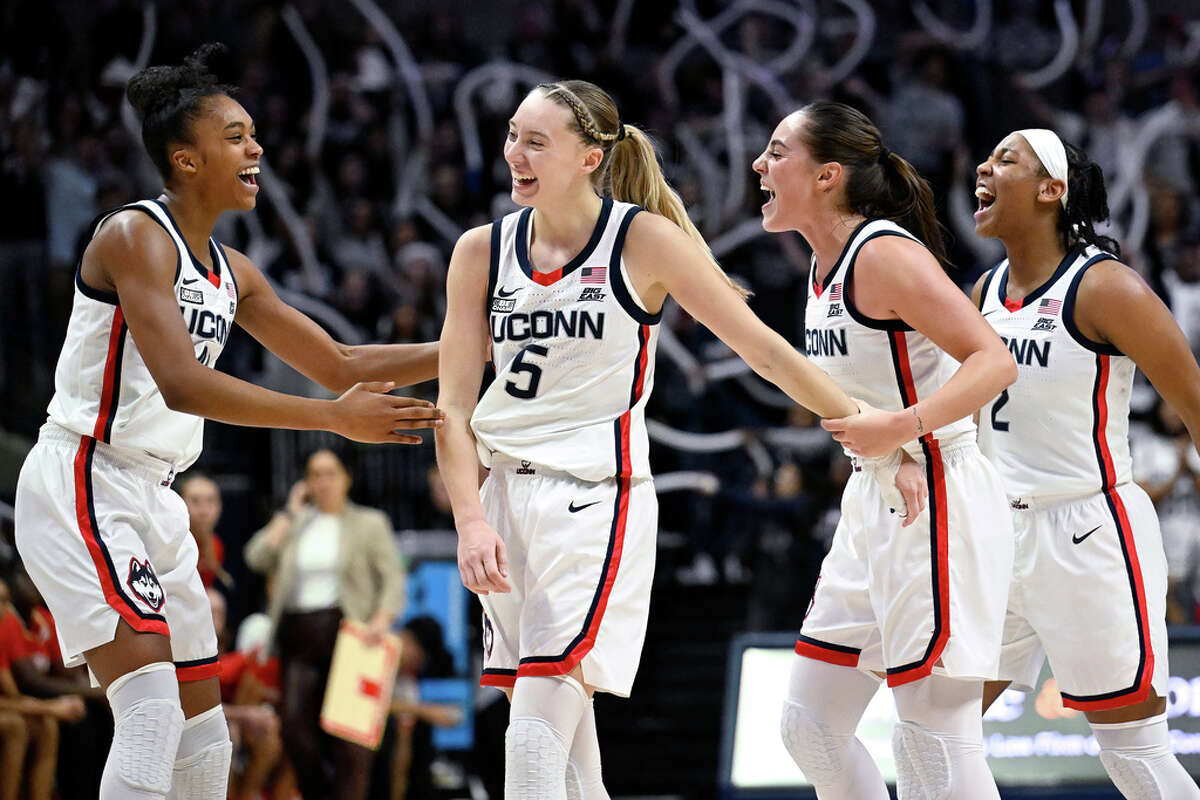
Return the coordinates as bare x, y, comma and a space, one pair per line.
105, 572
197, 670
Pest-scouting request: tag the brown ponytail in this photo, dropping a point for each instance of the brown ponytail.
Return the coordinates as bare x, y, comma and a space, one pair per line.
879, 184
630, 171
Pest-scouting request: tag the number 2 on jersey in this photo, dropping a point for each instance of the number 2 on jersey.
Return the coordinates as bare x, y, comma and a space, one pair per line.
519, 365
998, 424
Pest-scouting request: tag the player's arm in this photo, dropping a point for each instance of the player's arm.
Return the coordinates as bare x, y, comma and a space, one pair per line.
977, 299
136, 257
482, 559
687, 275
901, 275
1115, 306
304, 345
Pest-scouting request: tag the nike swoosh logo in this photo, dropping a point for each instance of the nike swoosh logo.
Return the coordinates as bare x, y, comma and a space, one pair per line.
189, 281
503, 293
573, 508
1078, 539
993, 311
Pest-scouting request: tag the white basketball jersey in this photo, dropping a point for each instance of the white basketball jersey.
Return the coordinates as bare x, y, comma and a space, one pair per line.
574, 355
102, 387
884, 362
1063, 427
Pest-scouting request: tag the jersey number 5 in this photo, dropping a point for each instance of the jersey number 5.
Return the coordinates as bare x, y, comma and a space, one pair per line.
519, 365
998, 424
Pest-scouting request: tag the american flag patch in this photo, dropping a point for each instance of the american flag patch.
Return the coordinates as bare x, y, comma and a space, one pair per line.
835, 293
1049, 307
593, 274
229, 291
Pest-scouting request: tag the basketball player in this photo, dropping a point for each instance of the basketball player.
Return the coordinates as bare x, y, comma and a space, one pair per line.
1090, 577
559, 542
922, 604
101, 533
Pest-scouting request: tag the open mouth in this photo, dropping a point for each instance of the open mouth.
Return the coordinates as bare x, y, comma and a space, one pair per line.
769, 193
248, 176
985, 199
523, 181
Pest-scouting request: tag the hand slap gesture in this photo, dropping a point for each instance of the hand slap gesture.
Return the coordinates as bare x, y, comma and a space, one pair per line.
367, 413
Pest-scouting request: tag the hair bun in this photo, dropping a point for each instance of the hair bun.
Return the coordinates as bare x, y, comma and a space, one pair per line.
158, 88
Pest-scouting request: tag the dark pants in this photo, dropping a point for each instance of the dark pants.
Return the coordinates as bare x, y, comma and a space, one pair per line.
305, 651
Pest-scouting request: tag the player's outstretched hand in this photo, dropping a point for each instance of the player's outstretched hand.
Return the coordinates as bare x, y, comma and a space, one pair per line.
482, 559
870, 433
367, 413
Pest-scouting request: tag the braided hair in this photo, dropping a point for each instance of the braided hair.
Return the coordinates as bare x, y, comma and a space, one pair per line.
169, 99
1087, 203
629, 170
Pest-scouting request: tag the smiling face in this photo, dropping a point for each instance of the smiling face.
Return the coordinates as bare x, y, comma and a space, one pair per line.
546, 156
790, 177
221, 161
1013, 190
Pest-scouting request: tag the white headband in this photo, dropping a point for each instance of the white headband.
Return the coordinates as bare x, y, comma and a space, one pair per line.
1050, 151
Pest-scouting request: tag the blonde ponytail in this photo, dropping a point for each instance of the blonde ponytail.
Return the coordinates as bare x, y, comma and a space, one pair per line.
635, 176
630, 171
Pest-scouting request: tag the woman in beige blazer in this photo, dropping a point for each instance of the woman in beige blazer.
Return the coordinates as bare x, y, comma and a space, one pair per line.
326, 560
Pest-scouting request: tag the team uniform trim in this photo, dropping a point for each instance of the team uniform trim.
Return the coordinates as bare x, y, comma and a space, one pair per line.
213, 276
1139, 690
1059, 271
495, 676
197, 670
828, 652
548, 278
103, 295
1068, 312
110, 393
106, 572
493, 266
848, 295
939, 538
617, 276
820, 288
987, 285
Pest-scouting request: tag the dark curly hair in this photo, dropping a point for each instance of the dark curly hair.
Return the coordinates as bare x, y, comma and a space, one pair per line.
1087, 203
169, 99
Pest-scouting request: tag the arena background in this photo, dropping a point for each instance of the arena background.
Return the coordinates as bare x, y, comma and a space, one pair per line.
382, 123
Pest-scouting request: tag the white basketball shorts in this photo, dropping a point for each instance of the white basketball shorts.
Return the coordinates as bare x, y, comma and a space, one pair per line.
580, 562
1089, 591
906, 600
104, 538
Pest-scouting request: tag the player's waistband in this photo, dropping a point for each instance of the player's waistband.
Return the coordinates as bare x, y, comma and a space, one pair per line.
1046, 502
953, 451
141, 464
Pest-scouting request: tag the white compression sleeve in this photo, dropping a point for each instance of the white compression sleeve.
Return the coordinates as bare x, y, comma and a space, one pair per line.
1137, 756
147, 723
821, 712
939, 742
541, 726
202, 761
584, 778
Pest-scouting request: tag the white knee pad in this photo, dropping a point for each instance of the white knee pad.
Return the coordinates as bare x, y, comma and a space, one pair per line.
922, 763
147, 724
203, 758
535, 761
1137, 756
574, 783
816, 750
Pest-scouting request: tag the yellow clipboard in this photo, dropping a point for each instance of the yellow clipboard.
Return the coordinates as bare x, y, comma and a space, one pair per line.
359, 692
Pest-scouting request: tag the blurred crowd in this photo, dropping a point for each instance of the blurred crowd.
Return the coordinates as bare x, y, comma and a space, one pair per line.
382, 126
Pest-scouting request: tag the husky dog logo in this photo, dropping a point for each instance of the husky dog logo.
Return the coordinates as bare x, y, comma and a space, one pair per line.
489, 637
143, 583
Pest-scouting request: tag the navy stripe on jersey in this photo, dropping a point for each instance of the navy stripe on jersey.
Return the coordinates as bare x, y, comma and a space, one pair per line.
848, 294
103, 295
493, 267
199, 267
1068, 311
819, 290
987, 285
1059, 271
225, 261
115, 385
522, 241
616, 277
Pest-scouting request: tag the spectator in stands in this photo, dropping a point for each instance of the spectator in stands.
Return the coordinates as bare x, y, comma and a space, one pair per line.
423, 654
28, 725
203, 498
329, 559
